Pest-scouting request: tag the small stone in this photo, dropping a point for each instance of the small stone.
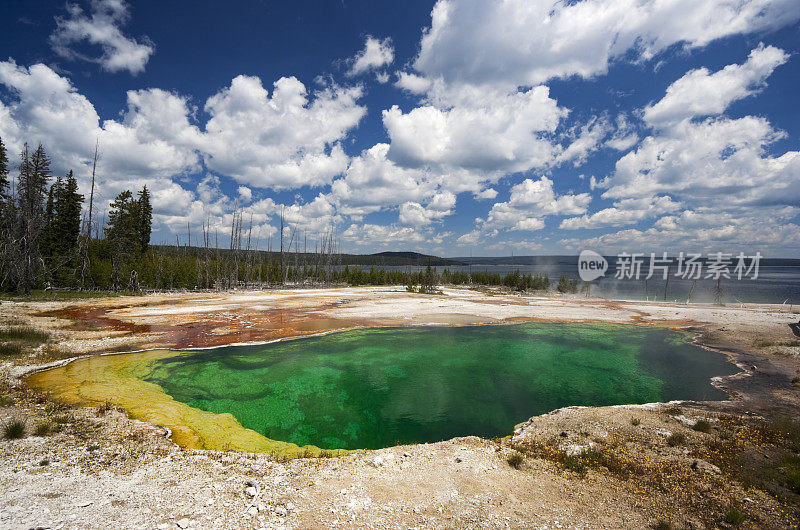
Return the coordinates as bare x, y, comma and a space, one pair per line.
407, 454
183, 523
459, 460
261, 507
377, 462
281, 511
290, 506
250, 490
252, 510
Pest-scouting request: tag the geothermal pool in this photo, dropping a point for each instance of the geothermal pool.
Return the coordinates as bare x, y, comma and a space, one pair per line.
372, 388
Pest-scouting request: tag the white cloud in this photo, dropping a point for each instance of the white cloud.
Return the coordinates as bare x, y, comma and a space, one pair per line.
700, 93
101, 28
375, 54
381, 235
413, 83
624, 212
480, 131
280, 140
415, 214
527, 42
530, 202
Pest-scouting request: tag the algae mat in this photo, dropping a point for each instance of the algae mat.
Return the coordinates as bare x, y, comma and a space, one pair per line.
377, 387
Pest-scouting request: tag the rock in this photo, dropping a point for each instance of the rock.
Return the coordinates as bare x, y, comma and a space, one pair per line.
376, 462
577, 450
281, 511
705, 467
261, 507
183, 523
251, 491
407, 454
289, 506
252, 510
459, 459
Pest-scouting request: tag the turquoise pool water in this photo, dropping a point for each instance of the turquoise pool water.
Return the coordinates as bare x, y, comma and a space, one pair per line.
374, 388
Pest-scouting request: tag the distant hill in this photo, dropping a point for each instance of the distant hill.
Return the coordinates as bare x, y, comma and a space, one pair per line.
406, 258
387, 259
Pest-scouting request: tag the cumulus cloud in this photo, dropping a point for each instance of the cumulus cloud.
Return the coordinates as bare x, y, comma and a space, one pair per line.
381, 235
624, 212
700, 93
527, 42
482, 131
413, 83
529, 203
281, 140
101, 27
375, 54
277, 140
712, 181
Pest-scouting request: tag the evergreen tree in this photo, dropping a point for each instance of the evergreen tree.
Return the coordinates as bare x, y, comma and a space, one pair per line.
49, 237
34, 173
69, 214
145, 219
3, 175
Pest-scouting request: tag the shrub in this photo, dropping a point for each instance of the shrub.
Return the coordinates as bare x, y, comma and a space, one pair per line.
515, 459
14, 430
44, 462
93, 447
635, 421
702, 426
676, 439
663, 524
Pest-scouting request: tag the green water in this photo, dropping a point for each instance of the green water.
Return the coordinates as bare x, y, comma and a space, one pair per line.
377, 387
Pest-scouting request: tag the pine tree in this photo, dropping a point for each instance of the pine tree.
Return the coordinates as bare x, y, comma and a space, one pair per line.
34, 173
145, 219
69, 214
49, 238
3, 175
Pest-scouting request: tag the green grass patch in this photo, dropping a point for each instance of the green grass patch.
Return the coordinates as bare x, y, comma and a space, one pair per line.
791, 468
23, 334
734, 516
702, 426
635, 421
14, 430
10, 350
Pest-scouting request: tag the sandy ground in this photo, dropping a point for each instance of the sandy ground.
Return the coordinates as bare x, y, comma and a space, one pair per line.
103, 469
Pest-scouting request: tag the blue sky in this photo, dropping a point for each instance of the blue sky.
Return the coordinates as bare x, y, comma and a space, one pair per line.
453, 127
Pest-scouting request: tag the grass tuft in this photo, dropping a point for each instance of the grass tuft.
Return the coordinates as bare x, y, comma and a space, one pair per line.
14, 430
43, 428
702, 426
663, 524
515, 459
635, 421
734, 516
676, 439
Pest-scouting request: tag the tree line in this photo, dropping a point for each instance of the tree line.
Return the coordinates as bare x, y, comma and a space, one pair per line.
47, 242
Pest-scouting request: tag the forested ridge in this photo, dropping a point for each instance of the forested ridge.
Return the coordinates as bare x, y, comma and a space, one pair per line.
47, 241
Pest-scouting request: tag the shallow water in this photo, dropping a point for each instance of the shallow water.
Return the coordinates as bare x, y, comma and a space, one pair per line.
377, 387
